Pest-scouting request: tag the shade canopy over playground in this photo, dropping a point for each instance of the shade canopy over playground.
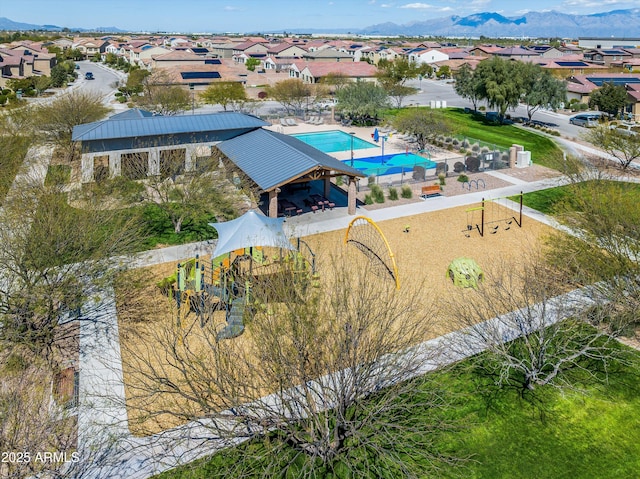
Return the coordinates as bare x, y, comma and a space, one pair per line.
249, 230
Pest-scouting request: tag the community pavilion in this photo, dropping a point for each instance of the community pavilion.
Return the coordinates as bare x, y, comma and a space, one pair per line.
137, 143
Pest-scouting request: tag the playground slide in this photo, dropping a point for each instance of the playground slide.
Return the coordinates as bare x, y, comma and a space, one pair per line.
235, 323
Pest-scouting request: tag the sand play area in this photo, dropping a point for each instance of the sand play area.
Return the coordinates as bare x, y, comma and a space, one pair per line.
423, 246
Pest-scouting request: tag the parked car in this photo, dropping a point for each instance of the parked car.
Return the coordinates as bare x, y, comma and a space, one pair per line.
88, 76
588, 120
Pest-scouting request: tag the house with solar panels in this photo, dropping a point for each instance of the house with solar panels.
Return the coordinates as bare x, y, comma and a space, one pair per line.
139, 144
581, 87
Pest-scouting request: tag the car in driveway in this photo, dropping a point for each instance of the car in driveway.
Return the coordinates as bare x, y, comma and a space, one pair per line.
588, 120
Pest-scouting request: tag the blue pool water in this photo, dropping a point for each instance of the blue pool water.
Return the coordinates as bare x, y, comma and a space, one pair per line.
390, 164
334, 140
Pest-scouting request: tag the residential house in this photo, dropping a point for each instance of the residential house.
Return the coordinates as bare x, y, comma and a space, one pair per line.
606, 57
285, 50
515, 53
37, 60
90, 47
581, 86
431, 56
313, 72
330, 55
11, 66
173, 58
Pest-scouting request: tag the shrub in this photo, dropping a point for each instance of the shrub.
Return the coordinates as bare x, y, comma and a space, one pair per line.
442, 179
463, 178
465, 144
473, 163
406, 192
458, 167
393, 194
377, 193
475, 148
368, 200
371, 180
455, 142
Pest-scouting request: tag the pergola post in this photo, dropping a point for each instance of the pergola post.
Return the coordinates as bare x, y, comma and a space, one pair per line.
351, 196
273, 203
327, 187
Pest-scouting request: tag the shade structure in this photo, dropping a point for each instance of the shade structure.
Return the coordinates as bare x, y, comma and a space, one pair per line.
251, 229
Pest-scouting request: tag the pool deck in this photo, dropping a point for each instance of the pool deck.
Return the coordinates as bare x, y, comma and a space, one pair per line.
391, 146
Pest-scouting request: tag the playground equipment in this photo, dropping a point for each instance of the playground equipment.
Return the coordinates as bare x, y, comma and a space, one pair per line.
465, 272
491, 216
364, 234
236, 280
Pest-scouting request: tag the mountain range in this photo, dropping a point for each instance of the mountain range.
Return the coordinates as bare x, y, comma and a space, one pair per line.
616, 23
552, 24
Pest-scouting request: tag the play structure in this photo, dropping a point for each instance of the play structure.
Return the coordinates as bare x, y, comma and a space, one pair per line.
250, 253
494, 215
364, 234
465, 273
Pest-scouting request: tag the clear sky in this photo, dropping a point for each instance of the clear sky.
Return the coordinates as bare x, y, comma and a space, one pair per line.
271, 15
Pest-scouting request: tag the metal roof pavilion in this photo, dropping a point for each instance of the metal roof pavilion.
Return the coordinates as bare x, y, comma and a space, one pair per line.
164, 125
272, 159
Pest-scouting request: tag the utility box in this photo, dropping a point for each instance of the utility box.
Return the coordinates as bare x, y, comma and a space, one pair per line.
523, 159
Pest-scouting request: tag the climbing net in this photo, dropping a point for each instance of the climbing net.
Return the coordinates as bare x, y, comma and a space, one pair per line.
365, 235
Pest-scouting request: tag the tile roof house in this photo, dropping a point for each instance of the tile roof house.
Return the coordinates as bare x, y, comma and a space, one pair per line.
313, 72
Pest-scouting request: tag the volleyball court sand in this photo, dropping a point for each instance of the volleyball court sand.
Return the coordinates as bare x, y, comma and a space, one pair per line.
422, 254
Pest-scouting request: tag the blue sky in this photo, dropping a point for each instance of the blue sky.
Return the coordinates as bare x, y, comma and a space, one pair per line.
271, 15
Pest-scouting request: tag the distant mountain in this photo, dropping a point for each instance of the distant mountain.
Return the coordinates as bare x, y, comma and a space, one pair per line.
10, 25
616, 23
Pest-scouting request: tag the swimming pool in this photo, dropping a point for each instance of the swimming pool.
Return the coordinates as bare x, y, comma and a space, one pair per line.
390, 164
333, 140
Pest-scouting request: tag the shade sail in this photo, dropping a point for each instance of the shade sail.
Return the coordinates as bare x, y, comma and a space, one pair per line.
251, 229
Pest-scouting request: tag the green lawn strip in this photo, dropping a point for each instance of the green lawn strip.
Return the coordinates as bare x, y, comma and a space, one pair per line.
12, 153
594, 434
547, 200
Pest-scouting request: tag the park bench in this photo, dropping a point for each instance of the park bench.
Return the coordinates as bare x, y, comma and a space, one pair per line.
429, 191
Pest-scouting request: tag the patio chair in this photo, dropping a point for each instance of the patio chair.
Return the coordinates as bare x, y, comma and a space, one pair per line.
291, 122
283, 122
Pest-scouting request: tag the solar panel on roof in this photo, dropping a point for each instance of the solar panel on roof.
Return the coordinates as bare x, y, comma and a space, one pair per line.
613, 52
213, 61
599, 81
198, 75
199, 50
572, 64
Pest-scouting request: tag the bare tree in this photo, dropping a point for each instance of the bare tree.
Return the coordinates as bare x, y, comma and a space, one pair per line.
162, 95
323, 376
601, 210
54, 121
423, 123
532, 329
33, 426
49, 252
624, 146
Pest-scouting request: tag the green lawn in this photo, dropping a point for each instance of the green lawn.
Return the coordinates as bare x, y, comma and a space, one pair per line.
547, 200
595, 435
544, 151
